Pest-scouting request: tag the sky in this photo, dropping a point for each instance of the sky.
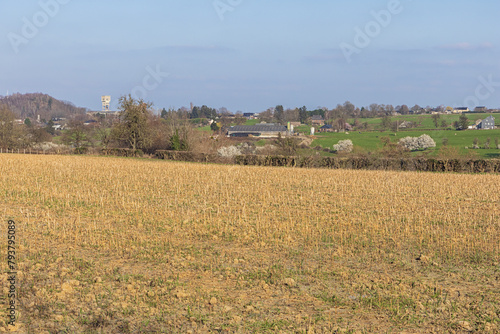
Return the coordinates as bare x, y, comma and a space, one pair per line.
249, 55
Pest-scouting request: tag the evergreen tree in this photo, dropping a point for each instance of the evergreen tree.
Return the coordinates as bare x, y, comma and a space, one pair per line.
279, 114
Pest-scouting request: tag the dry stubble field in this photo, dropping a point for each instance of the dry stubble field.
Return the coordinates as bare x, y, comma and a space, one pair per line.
110, 245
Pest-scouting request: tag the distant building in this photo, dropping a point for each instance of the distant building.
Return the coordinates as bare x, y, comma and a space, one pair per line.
317, 120
249, 115
475, 125
104, 114
460, 110
406, 124
90, 122
487, 124
480, 109
418, 111
326, 128
106, 101
259, 130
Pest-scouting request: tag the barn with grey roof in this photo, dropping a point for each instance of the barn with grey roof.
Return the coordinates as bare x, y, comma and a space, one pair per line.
258, 130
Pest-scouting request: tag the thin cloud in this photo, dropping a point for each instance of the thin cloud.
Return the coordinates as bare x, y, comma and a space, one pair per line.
454, 62
194, 48
327, 55
464, 46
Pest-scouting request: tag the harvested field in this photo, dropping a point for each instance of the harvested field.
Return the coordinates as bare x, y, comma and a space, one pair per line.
115, 245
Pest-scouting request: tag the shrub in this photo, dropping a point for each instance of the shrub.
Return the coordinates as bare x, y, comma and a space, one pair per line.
246, 148
47, 146
343, 146
80, 150
228, 152
122, 152
425, 142
487, 143
475, 144
417, 143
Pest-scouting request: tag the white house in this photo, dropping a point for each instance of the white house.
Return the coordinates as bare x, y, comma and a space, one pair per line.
460, 110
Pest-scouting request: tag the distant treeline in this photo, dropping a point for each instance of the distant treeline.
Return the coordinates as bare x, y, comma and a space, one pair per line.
302, 114
375, 163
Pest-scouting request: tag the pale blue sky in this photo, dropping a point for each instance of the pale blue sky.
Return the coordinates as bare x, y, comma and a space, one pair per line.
262, 53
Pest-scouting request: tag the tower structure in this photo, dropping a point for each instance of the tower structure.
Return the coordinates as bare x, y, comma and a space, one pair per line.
106, 100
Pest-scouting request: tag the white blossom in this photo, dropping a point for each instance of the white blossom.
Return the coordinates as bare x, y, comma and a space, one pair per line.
417, 143
46, 146
344, 146
228, 152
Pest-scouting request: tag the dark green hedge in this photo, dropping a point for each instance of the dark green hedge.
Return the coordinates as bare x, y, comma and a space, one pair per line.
80, 150
368, 163
122, 152
185, 156
404, 164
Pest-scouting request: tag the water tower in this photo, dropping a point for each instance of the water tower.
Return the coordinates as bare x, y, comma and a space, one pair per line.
106, 100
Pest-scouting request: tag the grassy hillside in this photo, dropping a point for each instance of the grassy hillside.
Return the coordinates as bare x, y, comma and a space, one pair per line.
424, 121
370, 141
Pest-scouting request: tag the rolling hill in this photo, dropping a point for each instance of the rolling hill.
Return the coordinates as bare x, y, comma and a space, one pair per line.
33, 104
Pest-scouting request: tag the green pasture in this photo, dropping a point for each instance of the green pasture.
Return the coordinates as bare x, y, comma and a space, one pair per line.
371, 141
421, 121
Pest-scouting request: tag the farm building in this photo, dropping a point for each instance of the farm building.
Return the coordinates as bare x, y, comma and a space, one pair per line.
475, 125
405, 124
460, 110
317, 120
326, 128
259, 130
487, 124
249, 115
90, 122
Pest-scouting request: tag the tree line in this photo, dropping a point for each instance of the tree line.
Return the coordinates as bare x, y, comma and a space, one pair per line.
341, 112
301, 114
136, 127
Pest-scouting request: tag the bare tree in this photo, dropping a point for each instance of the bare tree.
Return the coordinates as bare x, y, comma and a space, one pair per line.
266, 116
403, 110
77, 135
132, 127
435, 119
6, 127
389, 109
